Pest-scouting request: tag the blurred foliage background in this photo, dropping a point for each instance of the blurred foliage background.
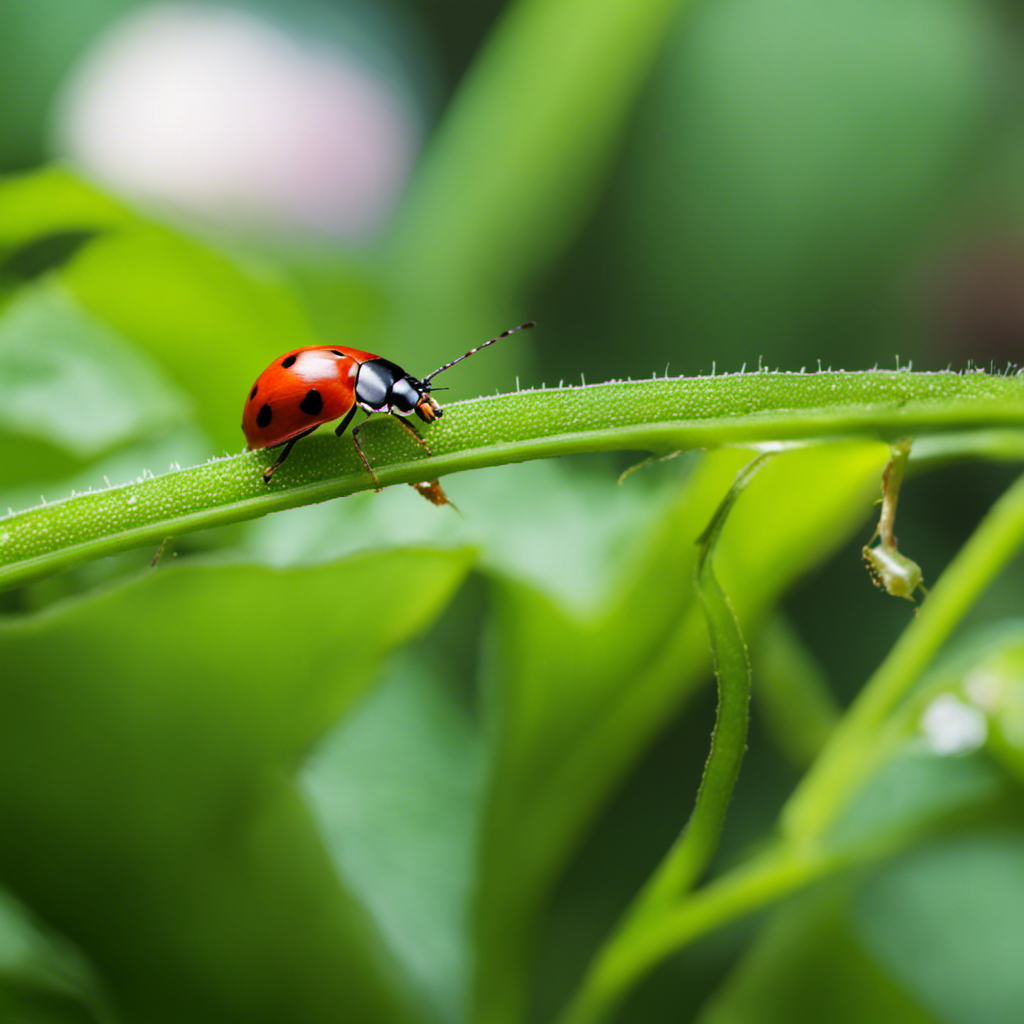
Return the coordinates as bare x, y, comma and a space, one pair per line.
371, 760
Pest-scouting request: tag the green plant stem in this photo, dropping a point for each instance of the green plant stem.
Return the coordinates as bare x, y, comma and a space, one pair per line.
693, 851
853, 749
691, 854
550, 67
659, 416
800, 856
755, 885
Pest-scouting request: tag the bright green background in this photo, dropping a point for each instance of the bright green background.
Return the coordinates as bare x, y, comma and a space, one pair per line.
376, 761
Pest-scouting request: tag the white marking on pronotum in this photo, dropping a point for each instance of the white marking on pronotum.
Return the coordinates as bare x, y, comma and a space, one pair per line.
314, 366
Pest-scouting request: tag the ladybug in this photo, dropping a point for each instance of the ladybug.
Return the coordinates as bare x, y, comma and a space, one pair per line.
309, 386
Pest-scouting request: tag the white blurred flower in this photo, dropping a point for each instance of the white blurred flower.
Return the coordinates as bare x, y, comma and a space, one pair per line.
951, 726
227, 118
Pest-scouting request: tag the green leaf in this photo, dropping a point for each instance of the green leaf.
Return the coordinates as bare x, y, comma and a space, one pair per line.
807, 966
146, 737
693, 851
210, 320
42, 978
794, 701
396, 789
791, 160
976, 694
561, 526
579, 694
912, 789
499, 192
70, 380
948, 919
52, 201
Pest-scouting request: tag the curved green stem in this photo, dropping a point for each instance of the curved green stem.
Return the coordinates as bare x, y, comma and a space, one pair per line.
754, 885
606, 981
692, 853
656, 415
801, 855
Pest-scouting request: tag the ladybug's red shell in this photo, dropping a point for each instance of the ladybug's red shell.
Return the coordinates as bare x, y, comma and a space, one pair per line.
309, 386
300, 390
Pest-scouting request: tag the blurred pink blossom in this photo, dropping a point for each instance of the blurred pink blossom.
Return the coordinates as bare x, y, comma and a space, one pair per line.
227, 118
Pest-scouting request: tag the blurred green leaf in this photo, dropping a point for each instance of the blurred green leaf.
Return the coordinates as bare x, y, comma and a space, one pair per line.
27, 1004
42, 979
42, 255
516, 165
396, 788
148, 814
68, 379
806, 967
578, 695
790, 164
933, 762
910, 791
52, 200
557, 523
211, 322
40, 39
793, 697
948, 920
981, 685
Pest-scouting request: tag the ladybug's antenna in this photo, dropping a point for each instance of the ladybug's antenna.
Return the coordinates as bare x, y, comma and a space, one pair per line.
504, 334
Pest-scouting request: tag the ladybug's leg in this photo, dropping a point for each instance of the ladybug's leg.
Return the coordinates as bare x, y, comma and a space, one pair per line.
343, 425
359, 450
415, 433
269, 471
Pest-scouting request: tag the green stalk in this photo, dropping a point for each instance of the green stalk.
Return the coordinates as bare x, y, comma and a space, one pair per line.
663, 927
691, 854
754, 885
854, 747
658, 416
693, 851
499, 168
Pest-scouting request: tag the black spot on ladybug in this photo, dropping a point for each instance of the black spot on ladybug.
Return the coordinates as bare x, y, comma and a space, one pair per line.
264, 416
252, 394
287, 362
335, 352
312, 403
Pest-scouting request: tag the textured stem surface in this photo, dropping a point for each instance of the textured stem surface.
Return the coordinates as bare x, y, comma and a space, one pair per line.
656, 415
